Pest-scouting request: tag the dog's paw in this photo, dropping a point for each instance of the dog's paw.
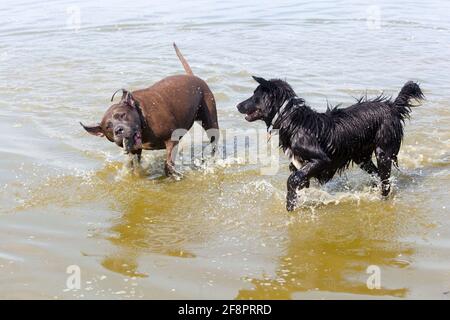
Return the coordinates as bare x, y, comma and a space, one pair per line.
374, 183
177, 176
291, 201
170, 171
174, 174
290, 207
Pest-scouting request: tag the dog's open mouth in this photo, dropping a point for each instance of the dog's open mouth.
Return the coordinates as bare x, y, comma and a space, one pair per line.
252, 116
132, 144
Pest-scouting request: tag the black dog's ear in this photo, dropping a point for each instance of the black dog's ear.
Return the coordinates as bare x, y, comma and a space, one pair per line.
265, 83
95, 130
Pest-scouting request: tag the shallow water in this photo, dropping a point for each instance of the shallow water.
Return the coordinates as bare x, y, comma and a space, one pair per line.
222, 231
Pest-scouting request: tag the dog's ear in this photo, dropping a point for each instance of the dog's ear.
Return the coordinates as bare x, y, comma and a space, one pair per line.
263, 82
127, 97
124, 93
95, 130
130, 100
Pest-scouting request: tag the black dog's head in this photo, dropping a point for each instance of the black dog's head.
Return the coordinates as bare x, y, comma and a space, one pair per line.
266, 100
121, 124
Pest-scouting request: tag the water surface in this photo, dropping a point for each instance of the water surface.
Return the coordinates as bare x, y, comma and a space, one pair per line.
222, 231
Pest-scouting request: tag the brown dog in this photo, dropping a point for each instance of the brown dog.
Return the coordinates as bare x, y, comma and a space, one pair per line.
147, 118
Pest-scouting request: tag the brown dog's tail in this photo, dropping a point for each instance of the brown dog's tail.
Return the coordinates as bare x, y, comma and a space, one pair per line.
186, 66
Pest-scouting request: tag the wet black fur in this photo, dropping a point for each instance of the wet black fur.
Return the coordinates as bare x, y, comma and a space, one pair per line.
326, 143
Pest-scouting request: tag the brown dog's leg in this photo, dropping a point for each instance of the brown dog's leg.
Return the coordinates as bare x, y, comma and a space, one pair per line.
137, 157
207, 114
134, 162
169, 166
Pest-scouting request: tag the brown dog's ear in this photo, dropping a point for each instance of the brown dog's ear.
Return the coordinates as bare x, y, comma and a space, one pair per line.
127, 97
124, 94
262, 81
95, 130
130, 100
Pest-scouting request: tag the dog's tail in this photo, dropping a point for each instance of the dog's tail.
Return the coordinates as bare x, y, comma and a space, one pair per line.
410, 91
186, 66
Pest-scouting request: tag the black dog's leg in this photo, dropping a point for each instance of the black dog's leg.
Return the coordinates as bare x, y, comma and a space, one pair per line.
384, 162
299, 180
369, 167
292, 168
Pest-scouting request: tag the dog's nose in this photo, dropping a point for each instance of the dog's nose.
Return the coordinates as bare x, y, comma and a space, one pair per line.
118, 130
241, 108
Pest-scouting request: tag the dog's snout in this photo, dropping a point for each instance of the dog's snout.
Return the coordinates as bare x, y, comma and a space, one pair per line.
241, 108
118, 131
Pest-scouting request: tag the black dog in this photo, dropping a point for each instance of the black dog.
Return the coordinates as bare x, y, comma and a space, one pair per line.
321, 144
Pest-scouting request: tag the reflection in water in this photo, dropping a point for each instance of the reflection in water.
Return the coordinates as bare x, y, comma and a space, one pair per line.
144, 227
150, 219
325, 246
332, 252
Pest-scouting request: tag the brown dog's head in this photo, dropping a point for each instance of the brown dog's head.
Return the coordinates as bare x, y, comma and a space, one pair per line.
121, 124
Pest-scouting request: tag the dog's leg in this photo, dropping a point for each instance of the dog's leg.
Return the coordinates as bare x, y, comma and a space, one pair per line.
136, 162
207, 114
292, 168
384, 162
369, 167
169, 166
299, 180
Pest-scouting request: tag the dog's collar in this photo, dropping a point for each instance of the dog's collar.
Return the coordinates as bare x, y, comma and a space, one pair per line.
144, 125
277, 115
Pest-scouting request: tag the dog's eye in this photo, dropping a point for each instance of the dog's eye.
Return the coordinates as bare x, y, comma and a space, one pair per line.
120, 116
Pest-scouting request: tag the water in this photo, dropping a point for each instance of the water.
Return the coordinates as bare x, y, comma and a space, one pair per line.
222, 231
